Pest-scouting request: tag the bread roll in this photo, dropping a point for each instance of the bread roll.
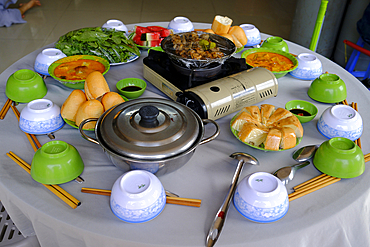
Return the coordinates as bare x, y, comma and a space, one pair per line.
95, 85
273, 138
221, 24
228, 36
241, 119
208, 31
89, 109
69, 108
252, 134
288, 138
266, 112
279, 114
111, 99
293, 123
254, 111
239, 36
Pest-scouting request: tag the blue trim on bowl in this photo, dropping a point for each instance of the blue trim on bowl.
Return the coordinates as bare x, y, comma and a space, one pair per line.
41, 127
330, 132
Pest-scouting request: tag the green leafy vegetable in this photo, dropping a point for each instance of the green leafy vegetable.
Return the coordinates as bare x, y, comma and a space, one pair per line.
109, 44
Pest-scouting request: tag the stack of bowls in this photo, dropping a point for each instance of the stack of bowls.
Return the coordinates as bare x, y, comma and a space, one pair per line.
340, 121
180, 24
340, 157
45, 58
328, 88
137, 196
261, 197
309, 67
40, 116
24, 86
56, 162
252, 33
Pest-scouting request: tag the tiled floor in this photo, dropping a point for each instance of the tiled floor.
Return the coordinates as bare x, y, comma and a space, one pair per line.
45, 24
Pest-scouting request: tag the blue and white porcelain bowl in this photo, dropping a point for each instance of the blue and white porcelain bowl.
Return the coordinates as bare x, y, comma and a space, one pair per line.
116, 25
181, 24
137, 196
252, 33
40, 116
261, 197
309, 67
340, 121
45, 58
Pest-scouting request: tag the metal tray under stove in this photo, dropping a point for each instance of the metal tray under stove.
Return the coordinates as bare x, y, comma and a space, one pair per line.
162, 73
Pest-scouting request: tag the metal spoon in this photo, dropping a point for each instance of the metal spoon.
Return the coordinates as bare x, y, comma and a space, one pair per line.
286, 174
218, 222
305, 153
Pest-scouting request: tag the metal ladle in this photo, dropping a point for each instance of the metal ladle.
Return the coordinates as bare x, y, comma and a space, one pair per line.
287, 173
218, 222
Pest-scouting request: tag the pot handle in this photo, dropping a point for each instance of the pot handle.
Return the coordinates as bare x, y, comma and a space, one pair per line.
212, 137
83, 133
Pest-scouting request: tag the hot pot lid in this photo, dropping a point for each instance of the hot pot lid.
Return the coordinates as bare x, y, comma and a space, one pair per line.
149, 129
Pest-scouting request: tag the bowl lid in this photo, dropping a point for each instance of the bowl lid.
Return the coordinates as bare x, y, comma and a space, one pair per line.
149, 129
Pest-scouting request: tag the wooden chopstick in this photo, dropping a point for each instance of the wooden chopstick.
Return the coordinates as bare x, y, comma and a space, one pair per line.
5, 108
58, 191
358, 141
169, 199
31, 138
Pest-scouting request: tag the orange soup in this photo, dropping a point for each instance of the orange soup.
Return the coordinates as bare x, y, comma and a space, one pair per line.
78, 70
271, 61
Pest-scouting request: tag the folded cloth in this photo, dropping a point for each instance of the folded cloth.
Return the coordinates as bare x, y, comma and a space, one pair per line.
9, 16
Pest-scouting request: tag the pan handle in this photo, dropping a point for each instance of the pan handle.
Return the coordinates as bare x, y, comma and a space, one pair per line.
83, 133
212, 137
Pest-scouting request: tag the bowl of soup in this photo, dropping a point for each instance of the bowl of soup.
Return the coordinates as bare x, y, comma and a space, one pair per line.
72, 71
278, 62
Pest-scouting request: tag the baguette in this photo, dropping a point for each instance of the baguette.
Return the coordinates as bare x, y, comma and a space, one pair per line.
89, 109
95, 85
221, 24
111, 99
239, 36
73, 102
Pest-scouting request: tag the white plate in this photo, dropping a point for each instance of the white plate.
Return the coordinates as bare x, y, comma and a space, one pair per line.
131, 59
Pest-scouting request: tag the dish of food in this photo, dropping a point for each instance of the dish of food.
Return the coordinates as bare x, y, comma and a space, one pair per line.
111, 45
267, 128
129, 60
73, 70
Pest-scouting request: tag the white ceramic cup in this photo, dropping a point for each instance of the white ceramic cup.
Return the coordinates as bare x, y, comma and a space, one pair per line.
180, 24
40, 116
309, 67
45, 58
252, 33
261, 197
137, 196
340, 121
115, 24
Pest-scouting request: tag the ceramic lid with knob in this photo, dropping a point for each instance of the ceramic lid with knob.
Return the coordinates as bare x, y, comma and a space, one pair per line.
149, 129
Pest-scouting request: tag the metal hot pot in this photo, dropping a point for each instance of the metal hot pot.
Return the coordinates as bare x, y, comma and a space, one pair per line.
150, 134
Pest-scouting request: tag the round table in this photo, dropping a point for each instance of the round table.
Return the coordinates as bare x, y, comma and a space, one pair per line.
336, 215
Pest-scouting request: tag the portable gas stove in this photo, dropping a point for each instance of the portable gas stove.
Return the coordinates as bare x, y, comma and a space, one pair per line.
214, 91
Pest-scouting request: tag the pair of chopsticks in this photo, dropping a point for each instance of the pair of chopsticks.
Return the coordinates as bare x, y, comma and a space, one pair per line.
169, 199
316, 183
58, 191
5, 108
322, 180
354, 106
31, 138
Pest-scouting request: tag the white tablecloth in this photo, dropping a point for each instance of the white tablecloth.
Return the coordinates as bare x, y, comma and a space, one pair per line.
337, 215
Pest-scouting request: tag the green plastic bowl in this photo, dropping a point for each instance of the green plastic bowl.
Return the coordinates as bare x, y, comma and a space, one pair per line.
339, 157
285, 54
76, 84
328, 88
123, 86
24, 86
302, 105
276, 43
56, 162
